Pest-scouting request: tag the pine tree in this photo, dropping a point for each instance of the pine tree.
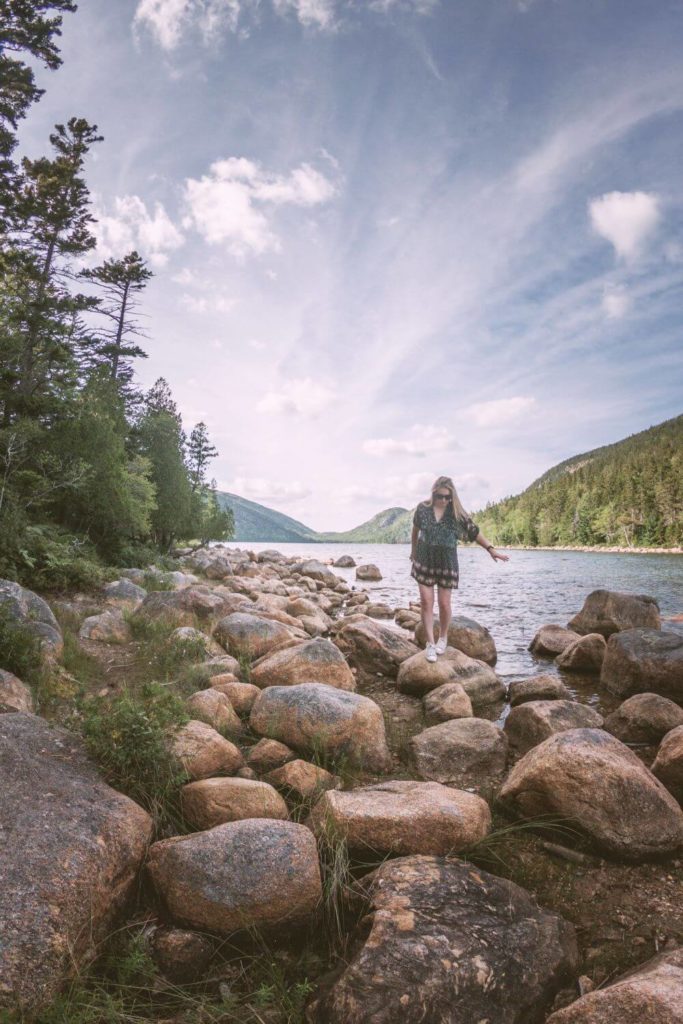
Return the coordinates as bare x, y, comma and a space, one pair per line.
121, 282
200, 452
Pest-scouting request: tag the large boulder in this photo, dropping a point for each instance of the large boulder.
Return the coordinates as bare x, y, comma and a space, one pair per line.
590, 779
257, 873
585, 655
30, 612
317, 719
374, 647
668, 765
125, 592
368, 573
314, 661
608, 612
644, 718
14, 695
469, 753
541, 687
418, 676
403, 817
449, 943
242, 633
345, 562
529, 724
644, 661
202, 752
315, 570
650, 994
466, 635
551, 640
210, 802
446, 702
181, 607
70, 851
109, 627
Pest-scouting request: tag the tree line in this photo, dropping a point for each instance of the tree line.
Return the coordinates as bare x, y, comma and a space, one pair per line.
629, 494
93, 470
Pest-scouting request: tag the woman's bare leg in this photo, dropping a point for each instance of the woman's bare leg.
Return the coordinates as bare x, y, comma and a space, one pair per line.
427, 611
445, 612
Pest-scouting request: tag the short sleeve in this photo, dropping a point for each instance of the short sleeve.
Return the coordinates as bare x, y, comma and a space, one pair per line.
470, 530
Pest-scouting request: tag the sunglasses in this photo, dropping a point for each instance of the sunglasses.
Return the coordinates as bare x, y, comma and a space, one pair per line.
441, 497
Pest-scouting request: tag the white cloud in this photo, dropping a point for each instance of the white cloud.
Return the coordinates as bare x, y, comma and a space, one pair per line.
311, 13
207, 303
132, 226
227, 204
167, 19
500, 411
626, 219
259, 489
422, 441
616, 302
298, 397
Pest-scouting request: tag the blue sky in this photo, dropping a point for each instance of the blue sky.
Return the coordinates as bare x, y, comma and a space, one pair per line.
392, 239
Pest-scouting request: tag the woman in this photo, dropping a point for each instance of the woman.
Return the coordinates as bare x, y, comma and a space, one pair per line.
437, 524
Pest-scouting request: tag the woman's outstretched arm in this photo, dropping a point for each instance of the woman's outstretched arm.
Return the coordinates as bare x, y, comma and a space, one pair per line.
495, 555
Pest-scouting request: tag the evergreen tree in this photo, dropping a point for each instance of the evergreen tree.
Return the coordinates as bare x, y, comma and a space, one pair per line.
200, 452
121, 282
162, 442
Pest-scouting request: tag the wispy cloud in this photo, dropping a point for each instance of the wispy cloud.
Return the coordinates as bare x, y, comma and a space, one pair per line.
130, 225
298, 397
421, 441
500, 411
259, 489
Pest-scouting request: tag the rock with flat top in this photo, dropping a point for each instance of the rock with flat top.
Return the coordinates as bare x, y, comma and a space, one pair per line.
301, 779
401, 817
109, 627
551, 640
418, 676
245, 634
267, 754
644, 718
373, 647
466, 635
608, 612
210, 802
541, 687
446, 702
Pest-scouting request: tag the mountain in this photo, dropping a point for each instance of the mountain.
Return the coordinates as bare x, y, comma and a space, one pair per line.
629, 493
392, 526
259, 523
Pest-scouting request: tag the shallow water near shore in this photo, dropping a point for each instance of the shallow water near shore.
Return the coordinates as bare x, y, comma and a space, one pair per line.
512, 599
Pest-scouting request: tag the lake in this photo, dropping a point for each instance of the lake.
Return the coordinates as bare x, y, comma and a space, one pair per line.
512, 599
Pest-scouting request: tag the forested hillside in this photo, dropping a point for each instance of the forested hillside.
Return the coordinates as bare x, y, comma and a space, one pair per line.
628, 494
392, 526
92, 470
258, 523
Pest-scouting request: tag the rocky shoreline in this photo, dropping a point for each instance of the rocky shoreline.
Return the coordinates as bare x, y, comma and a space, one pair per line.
331, 783
596, 549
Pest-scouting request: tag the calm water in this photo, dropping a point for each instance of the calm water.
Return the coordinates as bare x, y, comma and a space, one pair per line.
514, 598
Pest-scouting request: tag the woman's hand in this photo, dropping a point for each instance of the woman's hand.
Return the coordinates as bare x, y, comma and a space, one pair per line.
497, 557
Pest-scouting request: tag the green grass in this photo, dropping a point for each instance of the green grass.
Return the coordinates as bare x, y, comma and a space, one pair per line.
159, 656
128, 736
20, 650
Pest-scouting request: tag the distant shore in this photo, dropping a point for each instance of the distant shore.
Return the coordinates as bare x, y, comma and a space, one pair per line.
595, 549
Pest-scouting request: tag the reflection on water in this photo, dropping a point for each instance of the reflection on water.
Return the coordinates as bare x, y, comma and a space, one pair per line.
514, 598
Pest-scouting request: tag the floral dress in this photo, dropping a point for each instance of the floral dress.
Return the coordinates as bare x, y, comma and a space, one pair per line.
436, 552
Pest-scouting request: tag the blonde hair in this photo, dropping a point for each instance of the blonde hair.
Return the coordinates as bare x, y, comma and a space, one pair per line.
445, 481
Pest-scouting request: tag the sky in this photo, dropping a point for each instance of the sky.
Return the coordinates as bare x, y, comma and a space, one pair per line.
391, 239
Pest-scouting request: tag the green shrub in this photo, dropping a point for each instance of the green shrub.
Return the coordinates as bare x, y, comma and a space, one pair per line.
128, 738
49, 558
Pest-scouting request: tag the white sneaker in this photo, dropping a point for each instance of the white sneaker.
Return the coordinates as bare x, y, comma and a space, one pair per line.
441, 645
431, 652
